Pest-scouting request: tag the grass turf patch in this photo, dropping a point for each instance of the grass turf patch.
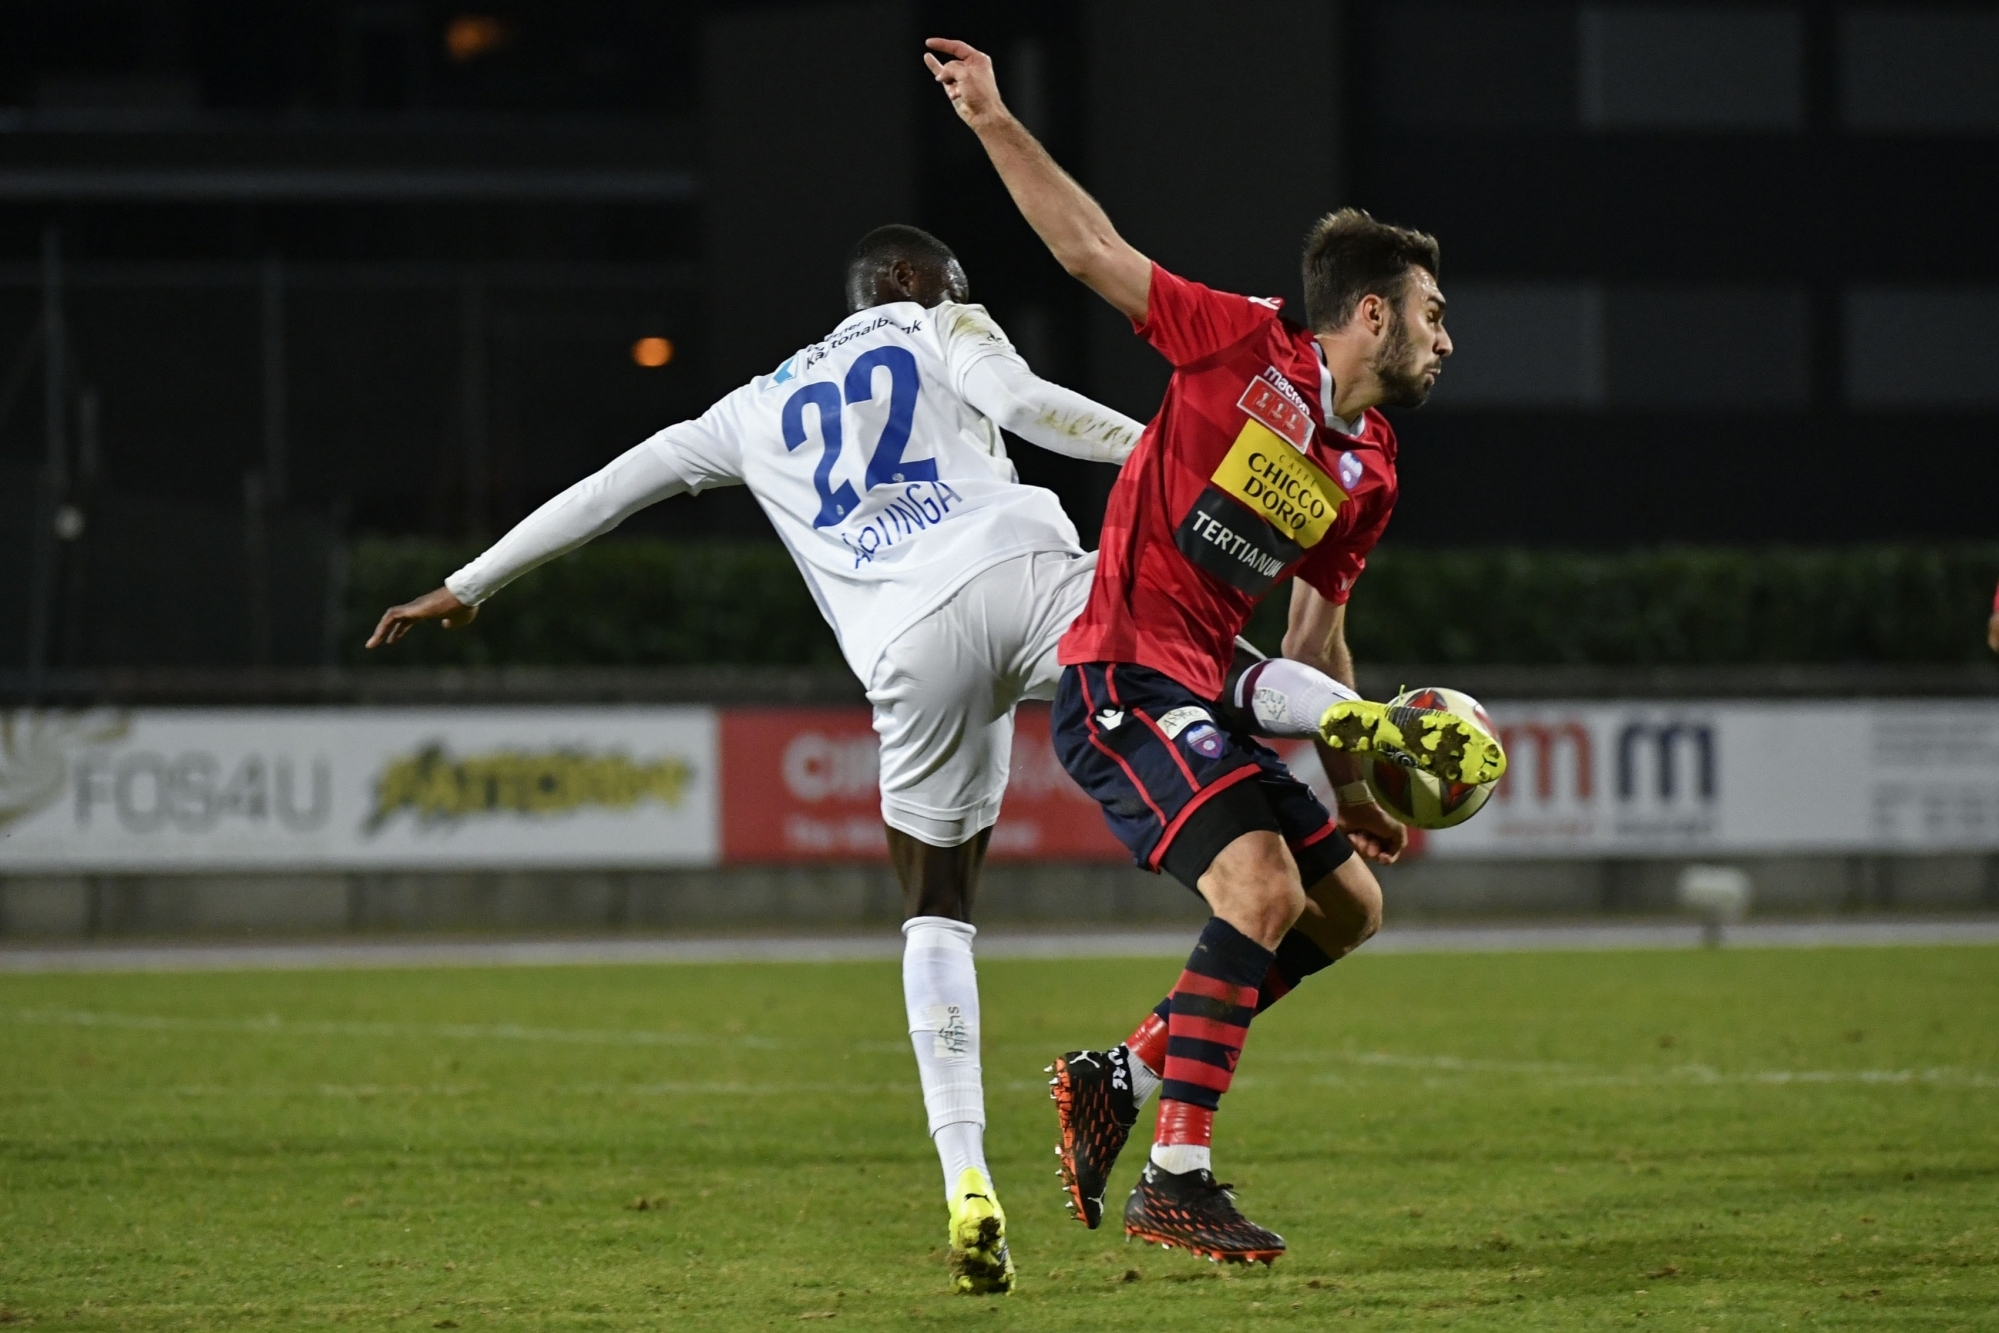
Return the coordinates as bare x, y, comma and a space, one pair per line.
1723, 1140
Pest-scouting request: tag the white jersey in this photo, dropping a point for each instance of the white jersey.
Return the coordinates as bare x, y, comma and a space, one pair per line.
887, 485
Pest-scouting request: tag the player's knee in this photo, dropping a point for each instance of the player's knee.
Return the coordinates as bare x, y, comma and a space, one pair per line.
1254, 882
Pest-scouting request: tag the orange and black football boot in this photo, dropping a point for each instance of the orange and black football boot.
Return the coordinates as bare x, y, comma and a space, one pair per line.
1096, 1109
1188, 1210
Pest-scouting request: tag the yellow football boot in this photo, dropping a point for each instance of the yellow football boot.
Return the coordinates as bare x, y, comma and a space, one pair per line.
980, 1264
1453, 747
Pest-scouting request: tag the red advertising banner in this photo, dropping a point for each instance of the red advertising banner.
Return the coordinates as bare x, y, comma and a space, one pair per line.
799, 784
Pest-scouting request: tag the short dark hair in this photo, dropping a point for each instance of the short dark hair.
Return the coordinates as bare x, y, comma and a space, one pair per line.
883, 246
1349, 255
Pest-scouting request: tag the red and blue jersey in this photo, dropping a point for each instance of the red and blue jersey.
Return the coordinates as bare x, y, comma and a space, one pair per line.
1238, 484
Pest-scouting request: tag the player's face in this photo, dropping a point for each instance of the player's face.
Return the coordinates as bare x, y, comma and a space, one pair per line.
1412, 351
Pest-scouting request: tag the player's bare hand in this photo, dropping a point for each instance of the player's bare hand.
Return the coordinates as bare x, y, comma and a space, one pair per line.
967, 75
1374, 833
439, 605
1992, 633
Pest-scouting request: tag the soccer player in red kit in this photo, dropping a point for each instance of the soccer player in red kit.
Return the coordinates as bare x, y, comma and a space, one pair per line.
1268, 461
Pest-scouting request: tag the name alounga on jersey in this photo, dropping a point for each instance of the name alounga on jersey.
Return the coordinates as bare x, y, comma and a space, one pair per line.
922, 504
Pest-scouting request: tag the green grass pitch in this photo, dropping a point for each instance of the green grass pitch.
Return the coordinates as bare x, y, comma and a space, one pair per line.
1721, 1141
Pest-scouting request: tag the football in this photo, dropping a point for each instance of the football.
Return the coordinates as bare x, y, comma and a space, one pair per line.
1420, 799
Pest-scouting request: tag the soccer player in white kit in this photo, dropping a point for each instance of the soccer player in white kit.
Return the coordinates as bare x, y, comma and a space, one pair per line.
876, 453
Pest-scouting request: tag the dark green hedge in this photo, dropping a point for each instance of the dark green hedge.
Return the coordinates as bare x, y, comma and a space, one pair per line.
613, 603
650, 603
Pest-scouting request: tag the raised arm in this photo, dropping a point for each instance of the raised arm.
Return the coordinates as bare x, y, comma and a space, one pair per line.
1072, 225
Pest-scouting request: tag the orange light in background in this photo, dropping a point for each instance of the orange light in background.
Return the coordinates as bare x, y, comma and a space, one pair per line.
652, 353
469, 36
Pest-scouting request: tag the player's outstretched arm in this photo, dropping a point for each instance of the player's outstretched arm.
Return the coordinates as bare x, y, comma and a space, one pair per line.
1073, 225
592, 507
1317, 636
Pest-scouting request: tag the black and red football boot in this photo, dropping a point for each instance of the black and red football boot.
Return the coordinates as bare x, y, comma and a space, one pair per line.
1190, 1211
1095, 1106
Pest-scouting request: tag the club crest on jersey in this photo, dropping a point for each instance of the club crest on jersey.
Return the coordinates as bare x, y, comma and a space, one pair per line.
1271, 399
1349, 470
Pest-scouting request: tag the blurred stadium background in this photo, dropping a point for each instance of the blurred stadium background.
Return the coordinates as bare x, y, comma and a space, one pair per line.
301, 304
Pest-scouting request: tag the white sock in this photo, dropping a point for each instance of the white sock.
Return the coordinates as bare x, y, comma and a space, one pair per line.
940, 988
960, 1145
1288, 698
1143, 1081
1180, 1158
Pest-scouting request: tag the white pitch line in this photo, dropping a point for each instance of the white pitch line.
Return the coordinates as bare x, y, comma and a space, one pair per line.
994, 943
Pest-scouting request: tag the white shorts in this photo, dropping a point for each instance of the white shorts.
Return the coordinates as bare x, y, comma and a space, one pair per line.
945, 688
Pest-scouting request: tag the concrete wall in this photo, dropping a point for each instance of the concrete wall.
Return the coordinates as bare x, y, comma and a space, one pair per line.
845, 897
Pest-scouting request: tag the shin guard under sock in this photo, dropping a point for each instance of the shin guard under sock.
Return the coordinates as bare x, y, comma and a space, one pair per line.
1297, 957
1211, 1010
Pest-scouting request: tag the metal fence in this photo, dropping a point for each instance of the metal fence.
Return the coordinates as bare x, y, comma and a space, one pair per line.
180, 443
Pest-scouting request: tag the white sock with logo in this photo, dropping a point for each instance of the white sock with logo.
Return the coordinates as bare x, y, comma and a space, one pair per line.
940, 988
1287, 698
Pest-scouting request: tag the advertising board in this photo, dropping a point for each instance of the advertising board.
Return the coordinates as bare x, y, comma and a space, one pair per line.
171, 789
800, 784
305, 788
1687, 778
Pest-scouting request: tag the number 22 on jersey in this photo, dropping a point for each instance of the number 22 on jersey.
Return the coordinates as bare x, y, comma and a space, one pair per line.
885, 465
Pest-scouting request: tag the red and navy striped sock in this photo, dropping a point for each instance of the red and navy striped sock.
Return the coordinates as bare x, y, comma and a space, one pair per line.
1211, 1009
1297, 957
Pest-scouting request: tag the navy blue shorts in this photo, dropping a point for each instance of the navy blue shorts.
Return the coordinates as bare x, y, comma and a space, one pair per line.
1177, 780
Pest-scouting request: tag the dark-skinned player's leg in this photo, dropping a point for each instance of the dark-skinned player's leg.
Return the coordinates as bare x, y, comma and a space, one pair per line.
941, 993
943, 694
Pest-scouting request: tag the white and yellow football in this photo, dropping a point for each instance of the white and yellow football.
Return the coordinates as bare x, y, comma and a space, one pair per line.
1423, 800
